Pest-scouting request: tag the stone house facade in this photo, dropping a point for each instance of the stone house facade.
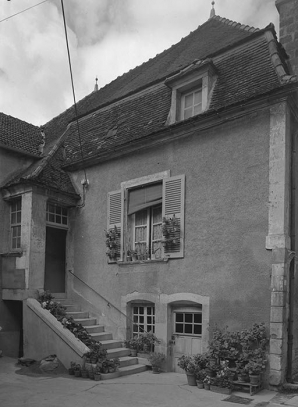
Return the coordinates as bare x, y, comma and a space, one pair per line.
203, 135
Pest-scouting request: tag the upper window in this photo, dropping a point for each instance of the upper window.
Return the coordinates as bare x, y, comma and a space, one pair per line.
56, 215
191, 90
188, 323
142, 213
15, 223
191, 104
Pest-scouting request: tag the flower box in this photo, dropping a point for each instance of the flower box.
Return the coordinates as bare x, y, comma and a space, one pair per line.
222, 390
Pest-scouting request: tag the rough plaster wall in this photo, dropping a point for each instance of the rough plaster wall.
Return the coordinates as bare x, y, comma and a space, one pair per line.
226, 221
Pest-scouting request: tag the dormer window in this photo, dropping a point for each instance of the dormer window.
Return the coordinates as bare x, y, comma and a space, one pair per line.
191, 103
191, 90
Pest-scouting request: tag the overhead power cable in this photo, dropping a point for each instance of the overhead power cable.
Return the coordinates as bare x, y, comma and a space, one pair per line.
74, 97
23, 11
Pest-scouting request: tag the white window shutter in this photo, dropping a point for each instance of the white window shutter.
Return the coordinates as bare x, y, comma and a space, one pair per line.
173, 204
115, 218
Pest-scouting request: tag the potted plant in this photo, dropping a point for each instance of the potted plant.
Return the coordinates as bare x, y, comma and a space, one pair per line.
97, 373
112, 243
91, 373
132, 344
146, 342
84, 372
200, 376
113, 365
170, 231
156, 360
77, 370
206, 382
187, 363
71, 370
254, 368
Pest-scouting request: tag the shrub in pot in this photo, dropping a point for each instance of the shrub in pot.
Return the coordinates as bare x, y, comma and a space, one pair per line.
156, 360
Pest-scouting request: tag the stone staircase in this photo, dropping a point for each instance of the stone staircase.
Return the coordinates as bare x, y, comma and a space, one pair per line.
128, 365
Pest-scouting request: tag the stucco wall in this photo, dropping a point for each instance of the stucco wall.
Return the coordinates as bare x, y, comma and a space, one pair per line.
226, 221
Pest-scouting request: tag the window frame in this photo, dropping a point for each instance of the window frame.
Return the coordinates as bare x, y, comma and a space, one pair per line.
63, 216
185, 323
193, 105
146, 315
173, 203
200, 74
17, 225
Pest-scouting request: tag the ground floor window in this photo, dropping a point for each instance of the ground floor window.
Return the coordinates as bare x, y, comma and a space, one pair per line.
143, 317
188, 323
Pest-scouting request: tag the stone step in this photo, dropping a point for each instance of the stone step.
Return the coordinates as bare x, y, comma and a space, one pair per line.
133, 369
128, 361
117, 353
85, 321
71, 307
77, 314
101, 336
94, 328
111, 344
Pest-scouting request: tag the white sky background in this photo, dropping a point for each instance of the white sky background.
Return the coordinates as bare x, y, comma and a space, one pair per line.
106, 38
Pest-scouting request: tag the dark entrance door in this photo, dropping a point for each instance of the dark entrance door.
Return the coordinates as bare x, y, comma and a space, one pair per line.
55, 260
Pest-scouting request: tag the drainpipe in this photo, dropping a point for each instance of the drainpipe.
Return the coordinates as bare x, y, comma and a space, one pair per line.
292, 262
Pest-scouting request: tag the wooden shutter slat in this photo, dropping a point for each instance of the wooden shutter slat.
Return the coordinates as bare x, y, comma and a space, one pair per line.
173, 204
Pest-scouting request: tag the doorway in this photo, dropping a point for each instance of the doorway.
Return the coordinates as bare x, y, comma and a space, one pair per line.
186, 333
55, 260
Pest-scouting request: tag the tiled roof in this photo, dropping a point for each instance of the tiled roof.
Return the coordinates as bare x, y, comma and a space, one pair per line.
19, 135
208, 39
244, 72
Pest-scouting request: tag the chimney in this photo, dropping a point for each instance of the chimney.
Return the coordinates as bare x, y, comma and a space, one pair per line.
288, 30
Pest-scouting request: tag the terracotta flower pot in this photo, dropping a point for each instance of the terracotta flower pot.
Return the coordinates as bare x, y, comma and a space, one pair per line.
191, 379
254, 379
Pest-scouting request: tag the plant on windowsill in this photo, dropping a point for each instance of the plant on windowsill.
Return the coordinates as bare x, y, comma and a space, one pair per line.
170, 231
112, 243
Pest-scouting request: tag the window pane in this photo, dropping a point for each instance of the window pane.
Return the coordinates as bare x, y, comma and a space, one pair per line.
197, 109
188, 113
198, 97
179, 328
141, 319
135, 310
51, 217
141, 310
149, 320
197, 329
157, 214
64, 220
135, 318
64, 212
148, 310
179, 317
141, 217
188, 318
58, 219
188, 100
13, 218
197, 318
188, 328
19, 216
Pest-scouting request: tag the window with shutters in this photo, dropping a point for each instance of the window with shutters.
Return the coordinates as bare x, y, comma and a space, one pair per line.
140, 211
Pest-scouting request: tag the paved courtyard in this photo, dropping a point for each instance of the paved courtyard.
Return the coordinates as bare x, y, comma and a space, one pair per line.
145, 389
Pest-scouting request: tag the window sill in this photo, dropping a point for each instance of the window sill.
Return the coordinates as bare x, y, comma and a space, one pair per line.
142, 262
12, 254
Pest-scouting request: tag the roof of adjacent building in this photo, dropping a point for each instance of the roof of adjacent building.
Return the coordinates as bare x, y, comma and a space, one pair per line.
249, 63
20, 136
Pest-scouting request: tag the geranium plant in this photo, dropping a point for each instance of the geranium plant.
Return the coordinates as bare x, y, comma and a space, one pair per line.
113, 243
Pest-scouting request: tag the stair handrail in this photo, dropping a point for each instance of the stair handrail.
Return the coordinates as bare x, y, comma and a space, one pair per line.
109, 304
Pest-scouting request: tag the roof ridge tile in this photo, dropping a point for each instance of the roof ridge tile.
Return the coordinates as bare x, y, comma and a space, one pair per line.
236, 24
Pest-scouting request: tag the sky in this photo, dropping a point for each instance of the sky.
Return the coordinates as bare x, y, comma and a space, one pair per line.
106, 39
